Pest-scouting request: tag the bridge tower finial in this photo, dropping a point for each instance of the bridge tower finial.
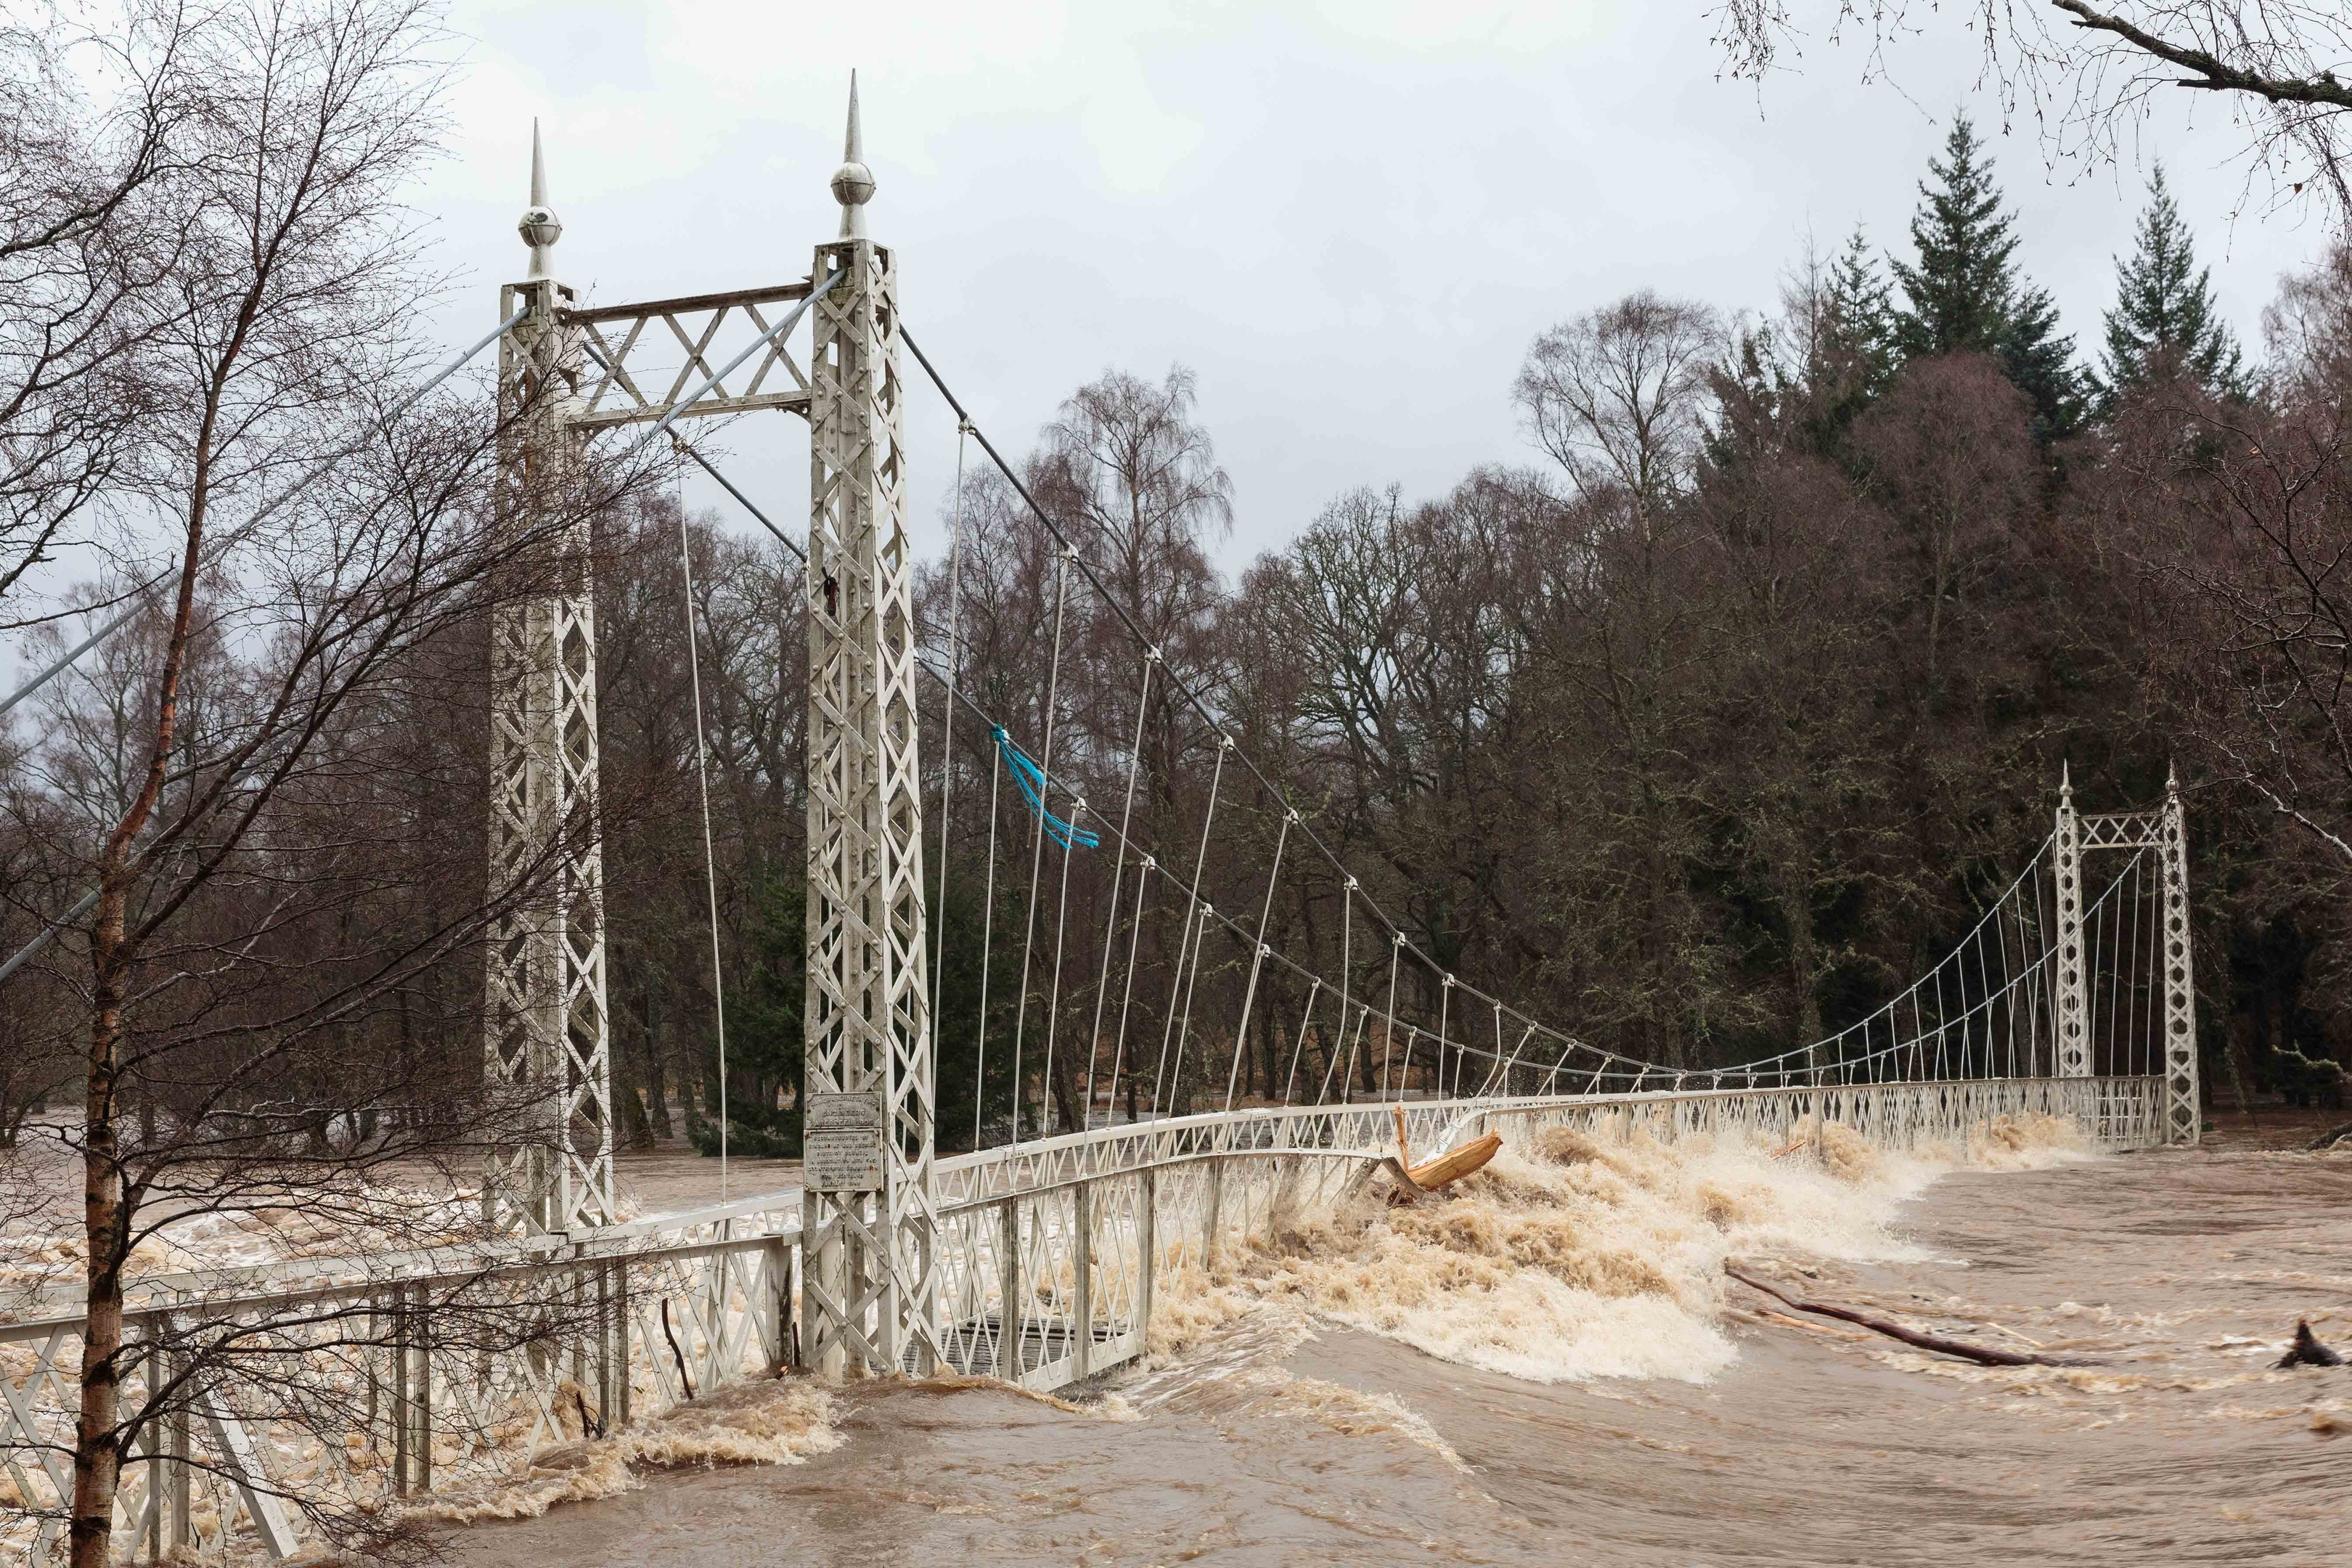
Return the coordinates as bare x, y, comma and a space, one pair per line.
2065, 781
539, 227
853, 183
2172, 778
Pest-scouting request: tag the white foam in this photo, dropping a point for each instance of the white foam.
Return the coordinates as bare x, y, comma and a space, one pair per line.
1569, 1258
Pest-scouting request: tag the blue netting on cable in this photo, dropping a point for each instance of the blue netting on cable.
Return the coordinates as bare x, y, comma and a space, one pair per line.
1031, 780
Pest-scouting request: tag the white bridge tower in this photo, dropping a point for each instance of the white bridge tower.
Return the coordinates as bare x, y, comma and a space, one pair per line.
545, 1006
868, 1221
2166, 831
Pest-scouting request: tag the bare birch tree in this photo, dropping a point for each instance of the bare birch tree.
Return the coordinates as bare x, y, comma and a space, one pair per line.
275, 783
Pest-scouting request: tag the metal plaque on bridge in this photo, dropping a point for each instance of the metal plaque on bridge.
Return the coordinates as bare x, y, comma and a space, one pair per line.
841, 1143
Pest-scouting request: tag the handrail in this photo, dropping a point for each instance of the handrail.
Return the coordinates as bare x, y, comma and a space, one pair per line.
643, 1240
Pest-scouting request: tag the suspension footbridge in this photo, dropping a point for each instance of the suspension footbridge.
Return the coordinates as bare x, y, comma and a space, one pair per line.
1192, 1121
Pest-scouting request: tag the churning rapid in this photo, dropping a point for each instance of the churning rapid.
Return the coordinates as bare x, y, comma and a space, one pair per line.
1551, 1366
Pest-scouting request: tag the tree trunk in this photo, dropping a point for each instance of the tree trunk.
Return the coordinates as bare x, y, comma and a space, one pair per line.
1065, 1089
98, 1456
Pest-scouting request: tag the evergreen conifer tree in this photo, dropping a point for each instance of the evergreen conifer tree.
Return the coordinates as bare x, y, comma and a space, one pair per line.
1965, 294
1856, 348
2165, 318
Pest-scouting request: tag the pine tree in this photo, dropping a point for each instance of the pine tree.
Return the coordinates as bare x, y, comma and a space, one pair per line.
2165, 318
1855, 351
1965, 294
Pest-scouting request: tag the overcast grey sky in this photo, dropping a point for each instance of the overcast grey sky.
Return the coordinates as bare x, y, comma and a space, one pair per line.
1348, 217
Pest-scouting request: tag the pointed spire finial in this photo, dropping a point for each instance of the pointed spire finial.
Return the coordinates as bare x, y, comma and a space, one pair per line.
2171, 776
539, 227
853, 183
2065, 781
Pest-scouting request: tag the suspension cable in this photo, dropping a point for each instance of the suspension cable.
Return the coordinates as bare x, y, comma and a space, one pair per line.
709, 852
987, 960
1257, 956
1111, 928
1191, 920
1037, 842
947, 730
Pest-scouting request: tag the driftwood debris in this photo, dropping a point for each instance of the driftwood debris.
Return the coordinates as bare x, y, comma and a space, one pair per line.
1448, 1167
2329, 1138
1981, 1354
2307, 1351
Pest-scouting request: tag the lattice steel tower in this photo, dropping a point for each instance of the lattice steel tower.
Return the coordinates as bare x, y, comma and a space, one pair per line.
867, 1222
545, 1015
2166, 831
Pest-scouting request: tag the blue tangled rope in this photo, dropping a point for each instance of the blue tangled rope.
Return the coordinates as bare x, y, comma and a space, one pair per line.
1031, 778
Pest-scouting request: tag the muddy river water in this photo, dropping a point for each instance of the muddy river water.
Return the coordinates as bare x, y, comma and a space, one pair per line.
1553, 1369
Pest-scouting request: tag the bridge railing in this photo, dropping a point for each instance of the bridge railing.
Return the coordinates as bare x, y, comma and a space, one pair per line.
362, 1386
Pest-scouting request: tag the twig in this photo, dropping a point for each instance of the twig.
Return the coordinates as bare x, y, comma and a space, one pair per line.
2012, 1334
1767, 1315
1936, 1342
675, 1354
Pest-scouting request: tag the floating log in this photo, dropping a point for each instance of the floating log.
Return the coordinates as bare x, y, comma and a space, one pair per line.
2307, 1351
1448, 1167
1980, 1354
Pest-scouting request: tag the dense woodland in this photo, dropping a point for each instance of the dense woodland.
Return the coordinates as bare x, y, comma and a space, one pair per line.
1696, 735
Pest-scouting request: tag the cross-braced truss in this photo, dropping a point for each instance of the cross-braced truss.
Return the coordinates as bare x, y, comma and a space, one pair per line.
646, 362
871, 1285
549, 1044
2164, 830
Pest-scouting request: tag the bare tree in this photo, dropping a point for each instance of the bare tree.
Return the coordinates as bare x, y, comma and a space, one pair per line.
278, 985
1617, 396
2089, 73
2242, 528
87, 249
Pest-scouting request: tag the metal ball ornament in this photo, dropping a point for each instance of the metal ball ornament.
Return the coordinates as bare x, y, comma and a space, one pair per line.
852, 185
539, 227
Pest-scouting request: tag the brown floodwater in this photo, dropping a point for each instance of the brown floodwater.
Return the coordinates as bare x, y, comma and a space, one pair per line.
1553, 1370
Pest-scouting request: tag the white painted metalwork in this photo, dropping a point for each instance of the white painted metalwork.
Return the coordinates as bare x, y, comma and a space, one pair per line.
548, 1036
2072, 1016
2183, 1114
2165, 831
872, 1281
